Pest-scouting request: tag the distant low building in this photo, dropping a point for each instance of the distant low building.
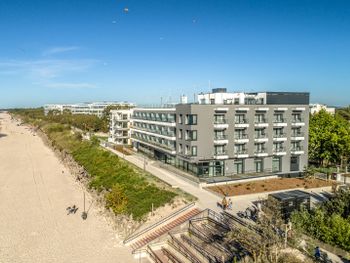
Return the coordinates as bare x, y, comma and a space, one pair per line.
92, 108
317, 107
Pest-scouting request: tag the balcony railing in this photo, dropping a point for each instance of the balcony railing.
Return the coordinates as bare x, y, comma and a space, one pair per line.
261, 136
220, 121
241, 151
241, 121
220, 137
279, 149
297, 148
279, 135
297, 120
263, 120
257, 151
167, 147
241, 136
220, 153
297, 134
280, 120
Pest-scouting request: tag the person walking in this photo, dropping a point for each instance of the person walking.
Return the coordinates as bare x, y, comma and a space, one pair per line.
224, 203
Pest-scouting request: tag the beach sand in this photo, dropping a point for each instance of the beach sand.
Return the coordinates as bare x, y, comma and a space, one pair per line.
34, 195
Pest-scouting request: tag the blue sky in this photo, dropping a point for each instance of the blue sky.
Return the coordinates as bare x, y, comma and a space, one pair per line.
75, 51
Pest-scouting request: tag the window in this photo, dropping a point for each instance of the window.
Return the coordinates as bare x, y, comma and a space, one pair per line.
180, 148
278, 132
259, 165
240, 149
276, 164
240, 134
180, 118
259, 147
260, 133
278, 117
191, 119
194, 151
260, 118
212, 101
240, 118
278, 147
296, 117
187, 149
219, 135
296, 132
191, 135
220, 150
219, 119
180, 134
239, 166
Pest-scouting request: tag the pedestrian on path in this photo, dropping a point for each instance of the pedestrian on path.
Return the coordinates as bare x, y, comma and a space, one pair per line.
224, 203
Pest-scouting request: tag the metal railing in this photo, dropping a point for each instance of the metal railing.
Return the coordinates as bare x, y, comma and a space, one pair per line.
136, 235
153, 255
279, 135
241, 136
282, 120
257, 151
263, 120
183, 249
220, 121
171, 256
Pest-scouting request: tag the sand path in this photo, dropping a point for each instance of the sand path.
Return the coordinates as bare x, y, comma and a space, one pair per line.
34, 194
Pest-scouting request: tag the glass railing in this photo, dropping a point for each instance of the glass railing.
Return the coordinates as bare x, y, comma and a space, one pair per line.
220, 137
263, 120
241, 121
242, 151
279, 149
297, 148
263, 150
241, 136
279, 135
280, 120
220, 153
297, 120
261, 136
220, 121
297, 134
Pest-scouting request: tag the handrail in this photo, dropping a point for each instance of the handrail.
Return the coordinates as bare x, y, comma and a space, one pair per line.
170, 255
194, 244
136, 235
183, 249
153, 255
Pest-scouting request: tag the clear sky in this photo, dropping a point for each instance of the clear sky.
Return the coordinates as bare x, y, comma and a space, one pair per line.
74, 51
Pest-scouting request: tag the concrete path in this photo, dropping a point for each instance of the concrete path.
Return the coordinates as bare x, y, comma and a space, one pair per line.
34, 195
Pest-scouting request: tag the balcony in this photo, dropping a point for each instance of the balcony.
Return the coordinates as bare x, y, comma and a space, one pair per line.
220, 124
220, 139
241, 153
279, 151
261, 137
298, 122
260, 152
297, 136
280, 122
221, 155
242, 122
297, 150
241, 138
263, 122
152, 143
280, 136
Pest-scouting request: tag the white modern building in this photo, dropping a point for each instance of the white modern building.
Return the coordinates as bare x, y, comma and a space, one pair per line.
317, 107
93, 108
119, 126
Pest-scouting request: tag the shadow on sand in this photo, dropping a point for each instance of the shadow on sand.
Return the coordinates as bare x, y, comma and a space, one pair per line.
3, 135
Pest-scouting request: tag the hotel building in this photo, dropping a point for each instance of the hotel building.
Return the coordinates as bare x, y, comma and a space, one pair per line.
227, 134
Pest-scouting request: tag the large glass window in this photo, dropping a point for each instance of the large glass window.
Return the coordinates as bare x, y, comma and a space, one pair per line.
194, 151
259, 165
191, 119
191, 135
219, 119
239, 166
276, 164
240, 118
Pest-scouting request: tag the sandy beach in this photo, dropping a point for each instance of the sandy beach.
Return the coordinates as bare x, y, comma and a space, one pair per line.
34, 195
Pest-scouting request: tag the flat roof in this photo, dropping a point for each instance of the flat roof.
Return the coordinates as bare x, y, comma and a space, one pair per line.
284, 196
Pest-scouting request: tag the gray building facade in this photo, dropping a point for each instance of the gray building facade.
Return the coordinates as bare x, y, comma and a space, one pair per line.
228, 134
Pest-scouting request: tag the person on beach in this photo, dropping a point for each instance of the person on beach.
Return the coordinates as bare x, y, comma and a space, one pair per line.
224, 203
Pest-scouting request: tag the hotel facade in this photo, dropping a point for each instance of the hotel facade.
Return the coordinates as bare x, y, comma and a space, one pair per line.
226, 134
